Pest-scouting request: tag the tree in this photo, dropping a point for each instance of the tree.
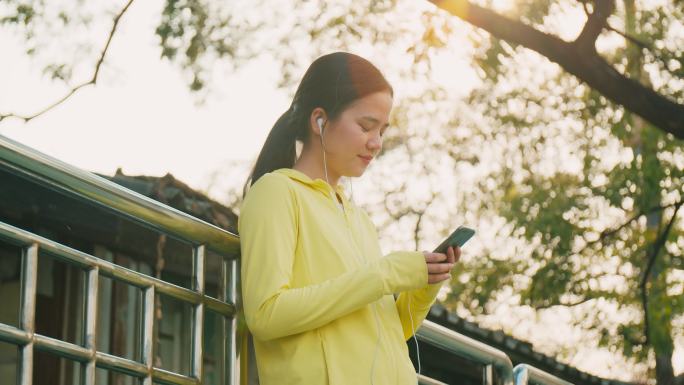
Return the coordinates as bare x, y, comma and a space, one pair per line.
606, 233
581, 58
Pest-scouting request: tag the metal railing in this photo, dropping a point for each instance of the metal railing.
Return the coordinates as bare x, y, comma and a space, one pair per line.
425, 380
524, 374
493, 359
63, 177
466, 347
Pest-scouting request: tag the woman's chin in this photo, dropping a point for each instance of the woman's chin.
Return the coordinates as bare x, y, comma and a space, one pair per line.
358, 172
355, 173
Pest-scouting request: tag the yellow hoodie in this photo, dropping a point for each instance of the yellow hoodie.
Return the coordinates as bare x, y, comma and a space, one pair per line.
316, 291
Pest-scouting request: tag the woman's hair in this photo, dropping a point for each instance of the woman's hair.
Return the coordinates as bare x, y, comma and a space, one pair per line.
332, 83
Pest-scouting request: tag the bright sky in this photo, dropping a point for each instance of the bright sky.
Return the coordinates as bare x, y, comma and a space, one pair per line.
142, 118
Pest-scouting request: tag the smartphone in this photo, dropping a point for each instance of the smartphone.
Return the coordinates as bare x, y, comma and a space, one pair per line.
458, 238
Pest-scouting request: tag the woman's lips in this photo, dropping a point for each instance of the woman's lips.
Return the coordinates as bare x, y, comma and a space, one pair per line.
366, 159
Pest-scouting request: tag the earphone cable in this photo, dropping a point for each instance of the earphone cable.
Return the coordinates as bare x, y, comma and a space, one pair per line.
413, 331
355, 214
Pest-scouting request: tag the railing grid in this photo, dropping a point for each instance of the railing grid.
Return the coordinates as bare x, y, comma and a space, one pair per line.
524, 374
61, 176
27, 339
492, 358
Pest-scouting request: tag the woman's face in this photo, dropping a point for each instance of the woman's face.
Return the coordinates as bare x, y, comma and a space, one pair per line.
354, 138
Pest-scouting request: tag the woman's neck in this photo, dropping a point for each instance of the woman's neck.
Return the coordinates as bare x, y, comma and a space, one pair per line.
312, 166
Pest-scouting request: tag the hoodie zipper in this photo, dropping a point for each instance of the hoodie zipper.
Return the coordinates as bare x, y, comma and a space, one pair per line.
357, 250
326, 188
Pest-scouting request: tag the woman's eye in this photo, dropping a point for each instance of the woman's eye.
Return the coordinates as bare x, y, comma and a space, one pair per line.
365, 129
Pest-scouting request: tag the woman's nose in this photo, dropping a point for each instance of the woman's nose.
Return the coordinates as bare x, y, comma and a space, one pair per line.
375, 143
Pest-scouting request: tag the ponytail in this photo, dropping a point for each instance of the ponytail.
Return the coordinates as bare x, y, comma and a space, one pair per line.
279, 150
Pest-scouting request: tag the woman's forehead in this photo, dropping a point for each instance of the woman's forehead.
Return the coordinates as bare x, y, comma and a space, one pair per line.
373, 106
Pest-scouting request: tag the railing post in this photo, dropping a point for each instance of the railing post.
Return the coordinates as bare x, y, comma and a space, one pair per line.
148, 334
224, 296
232, 351
90, 332
29, 276
488, 375
198, 319
520, 375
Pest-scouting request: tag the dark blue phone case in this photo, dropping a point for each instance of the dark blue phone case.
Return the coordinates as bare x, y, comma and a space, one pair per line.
458, 238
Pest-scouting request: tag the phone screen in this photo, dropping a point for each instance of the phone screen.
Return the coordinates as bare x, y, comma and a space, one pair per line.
458, 238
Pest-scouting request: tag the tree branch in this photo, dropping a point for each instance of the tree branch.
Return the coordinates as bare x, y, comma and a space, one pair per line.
657, 246
586, 9
610, 232
629, 37
571, 304
92, 81
579, 59
642, 44
596, 22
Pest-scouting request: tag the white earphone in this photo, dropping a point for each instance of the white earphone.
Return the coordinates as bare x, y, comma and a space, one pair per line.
320, 124
320, 121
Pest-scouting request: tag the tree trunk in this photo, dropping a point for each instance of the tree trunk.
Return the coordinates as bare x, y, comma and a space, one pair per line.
580, 59
664, 370
660, 323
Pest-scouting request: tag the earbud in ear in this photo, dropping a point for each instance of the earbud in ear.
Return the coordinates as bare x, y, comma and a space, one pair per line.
320, 127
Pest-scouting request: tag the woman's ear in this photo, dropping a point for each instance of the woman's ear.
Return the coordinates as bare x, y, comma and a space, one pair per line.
318, 119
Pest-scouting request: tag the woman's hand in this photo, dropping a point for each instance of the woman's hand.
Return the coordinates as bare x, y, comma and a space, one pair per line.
439, 265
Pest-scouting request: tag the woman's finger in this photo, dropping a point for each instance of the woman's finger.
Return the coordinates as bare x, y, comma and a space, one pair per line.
450, 255
434, 257
435, 278
439, 268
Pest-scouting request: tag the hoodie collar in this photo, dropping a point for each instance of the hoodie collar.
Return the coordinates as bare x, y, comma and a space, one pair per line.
318, 183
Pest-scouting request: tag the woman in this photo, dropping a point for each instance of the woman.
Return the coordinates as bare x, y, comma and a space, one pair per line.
317, 293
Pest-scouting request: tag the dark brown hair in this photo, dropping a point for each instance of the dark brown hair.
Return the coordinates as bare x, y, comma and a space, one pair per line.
332, 83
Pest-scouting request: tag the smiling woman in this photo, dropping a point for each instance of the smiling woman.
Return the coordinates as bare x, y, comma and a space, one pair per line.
356, 134
349, 96
318, 295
